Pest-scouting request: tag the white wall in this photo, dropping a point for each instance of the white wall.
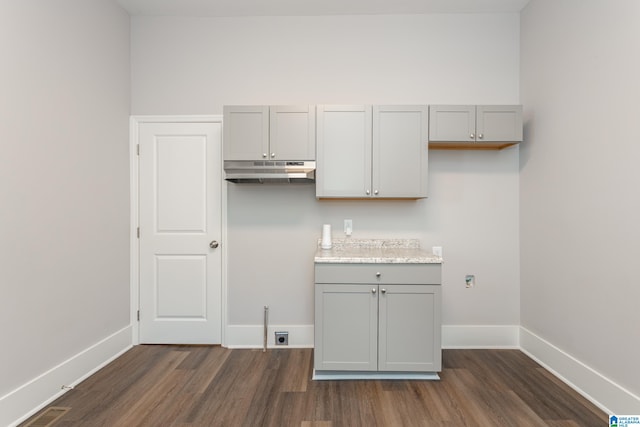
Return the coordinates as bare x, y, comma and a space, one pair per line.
64, 256
196, 65
579, 187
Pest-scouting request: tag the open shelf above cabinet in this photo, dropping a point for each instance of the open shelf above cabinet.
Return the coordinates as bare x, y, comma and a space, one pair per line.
468, 146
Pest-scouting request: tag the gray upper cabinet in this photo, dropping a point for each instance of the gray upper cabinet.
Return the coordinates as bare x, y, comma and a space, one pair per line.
474, 127
292, 132
372, 152
246, 132
283, 132
452, 123
400, 151
343, 151
499, 123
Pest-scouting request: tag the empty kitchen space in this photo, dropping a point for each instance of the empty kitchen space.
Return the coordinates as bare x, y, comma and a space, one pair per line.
319, 213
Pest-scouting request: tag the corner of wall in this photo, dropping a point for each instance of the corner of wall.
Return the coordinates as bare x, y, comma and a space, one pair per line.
595, 387
26, 400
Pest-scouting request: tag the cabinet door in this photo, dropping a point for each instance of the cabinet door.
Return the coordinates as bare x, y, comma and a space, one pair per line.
344, 151
497, 123
246, 132
409, 322
346, 327
292, 134
400, 151
452, 123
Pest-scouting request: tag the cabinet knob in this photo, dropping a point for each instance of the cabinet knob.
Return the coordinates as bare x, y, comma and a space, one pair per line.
375, 192
378, 274
273, 155
264, 155
472, 136
373, 291
383, 290
368, 192
480, 136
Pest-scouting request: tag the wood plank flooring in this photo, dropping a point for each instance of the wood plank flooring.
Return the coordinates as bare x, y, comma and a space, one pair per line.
189, 386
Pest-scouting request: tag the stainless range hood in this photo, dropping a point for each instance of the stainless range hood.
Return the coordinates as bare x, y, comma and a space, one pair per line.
261, 172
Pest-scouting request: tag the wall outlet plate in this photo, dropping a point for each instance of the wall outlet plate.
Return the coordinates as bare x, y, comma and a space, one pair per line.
348, 227
282, 338
470, 279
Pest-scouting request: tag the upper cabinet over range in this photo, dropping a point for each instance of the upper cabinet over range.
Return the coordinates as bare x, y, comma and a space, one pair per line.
474, 127
283, 132
369, 151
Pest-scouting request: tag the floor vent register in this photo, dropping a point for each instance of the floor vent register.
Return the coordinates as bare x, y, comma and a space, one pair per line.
48, 417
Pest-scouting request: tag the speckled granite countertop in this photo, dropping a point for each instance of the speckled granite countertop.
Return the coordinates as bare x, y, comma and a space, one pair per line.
392, 251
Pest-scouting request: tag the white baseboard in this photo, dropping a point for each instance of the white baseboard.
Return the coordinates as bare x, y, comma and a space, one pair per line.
601, 391
252, 336
23, 402
26, 400
301, 336
480, 336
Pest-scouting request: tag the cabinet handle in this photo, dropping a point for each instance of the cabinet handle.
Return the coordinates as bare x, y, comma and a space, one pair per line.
378, 274
273, 155
373, 291
472, 136
480, 136
383, 290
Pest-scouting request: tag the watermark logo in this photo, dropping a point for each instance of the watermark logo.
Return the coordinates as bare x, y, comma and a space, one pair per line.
624, 420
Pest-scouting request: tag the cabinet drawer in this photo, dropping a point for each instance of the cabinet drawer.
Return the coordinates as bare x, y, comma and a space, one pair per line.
425, 274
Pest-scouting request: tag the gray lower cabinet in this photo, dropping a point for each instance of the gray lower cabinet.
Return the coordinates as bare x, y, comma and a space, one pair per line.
377, 317
409, 328
346, 327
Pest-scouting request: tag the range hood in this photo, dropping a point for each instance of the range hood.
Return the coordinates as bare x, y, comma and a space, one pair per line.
260, 172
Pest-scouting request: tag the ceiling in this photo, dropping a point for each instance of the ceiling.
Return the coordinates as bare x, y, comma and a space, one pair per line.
227, 8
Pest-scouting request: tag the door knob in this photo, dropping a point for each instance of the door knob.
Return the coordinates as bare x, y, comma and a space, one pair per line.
214, 244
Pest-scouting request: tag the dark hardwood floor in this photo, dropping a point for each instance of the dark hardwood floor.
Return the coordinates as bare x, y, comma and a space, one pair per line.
156, 385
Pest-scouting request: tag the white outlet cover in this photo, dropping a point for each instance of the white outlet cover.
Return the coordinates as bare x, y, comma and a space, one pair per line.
348, 227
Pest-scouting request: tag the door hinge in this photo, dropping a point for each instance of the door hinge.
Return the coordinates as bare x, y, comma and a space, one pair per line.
138, 232
138, 149
138, 315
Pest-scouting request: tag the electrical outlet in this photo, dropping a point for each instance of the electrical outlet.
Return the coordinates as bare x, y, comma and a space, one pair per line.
348, 227
282, 338
470, 279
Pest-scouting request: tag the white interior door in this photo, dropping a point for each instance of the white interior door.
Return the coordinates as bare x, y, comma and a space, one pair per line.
180, 228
